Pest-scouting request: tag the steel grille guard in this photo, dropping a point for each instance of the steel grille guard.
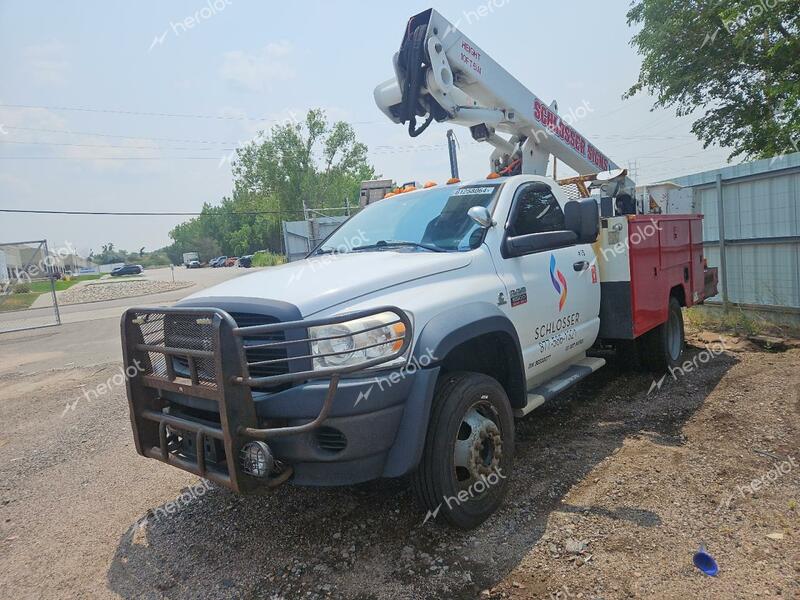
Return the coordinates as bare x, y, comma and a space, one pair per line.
212, 345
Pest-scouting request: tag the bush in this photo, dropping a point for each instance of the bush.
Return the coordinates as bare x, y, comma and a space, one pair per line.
22, 288
267, 259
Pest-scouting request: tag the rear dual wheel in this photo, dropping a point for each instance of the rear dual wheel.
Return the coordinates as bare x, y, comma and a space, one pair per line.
658, 349
662, 347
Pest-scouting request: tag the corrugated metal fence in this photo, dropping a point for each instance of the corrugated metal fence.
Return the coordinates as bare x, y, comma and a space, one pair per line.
301, 237
759, 257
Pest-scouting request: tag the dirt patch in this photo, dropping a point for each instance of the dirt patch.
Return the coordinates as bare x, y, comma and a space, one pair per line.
614, 488
730, 478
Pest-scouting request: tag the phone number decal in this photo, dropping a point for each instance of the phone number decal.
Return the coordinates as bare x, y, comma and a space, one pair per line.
557, 340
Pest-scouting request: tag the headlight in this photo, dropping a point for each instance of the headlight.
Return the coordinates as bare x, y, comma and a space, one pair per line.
357, 341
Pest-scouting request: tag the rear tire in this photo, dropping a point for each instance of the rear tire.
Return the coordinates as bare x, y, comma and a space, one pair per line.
662, 347
469, 450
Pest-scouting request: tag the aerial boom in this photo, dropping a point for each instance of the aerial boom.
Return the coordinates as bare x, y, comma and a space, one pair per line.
441, 74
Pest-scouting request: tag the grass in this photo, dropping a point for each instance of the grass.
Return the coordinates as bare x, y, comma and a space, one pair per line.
42, 287
9, 302
268, 259
735, 321
17, 301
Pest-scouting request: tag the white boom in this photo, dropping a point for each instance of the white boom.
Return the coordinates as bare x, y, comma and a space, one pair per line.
441, 73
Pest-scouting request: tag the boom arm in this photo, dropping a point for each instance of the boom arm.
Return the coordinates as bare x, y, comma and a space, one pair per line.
441, 73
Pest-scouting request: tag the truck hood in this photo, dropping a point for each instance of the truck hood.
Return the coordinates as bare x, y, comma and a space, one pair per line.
321, 282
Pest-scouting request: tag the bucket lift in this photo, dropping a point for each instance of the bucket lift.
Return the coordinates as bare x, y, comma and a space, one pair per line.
442, 75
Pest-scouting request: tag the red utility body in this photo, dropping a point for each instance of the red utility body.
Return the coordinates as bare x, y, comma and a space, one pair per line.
671, 257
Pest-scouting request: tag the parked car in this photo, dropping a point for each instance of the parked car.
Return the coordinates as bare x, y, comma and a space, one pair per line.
230, 261
246, 261
218, 262
193, 264
127, 270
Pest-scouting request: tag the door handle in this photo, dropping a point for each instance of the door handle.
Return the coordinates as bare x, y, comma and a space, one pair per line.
581, 265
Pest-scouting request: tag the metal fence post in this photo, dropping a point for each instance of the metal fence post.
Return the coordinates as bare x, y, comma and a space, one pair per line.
723, 265
51, 277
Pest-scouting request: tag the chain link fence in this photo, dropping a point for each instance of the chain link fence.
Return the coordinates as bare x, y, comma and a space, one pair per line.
28, 276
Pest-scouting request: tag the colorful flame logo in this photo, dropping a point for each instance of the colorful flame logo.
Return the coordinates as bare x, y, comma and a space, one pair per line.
559, 282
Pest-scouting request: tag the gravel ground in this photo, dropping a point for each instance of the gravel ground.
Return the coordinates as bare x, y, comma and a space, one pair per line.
100, 290
613, 490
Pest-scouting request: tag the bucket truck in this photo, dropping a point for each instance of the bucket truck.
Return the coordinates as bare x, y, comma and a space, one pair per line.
409, 340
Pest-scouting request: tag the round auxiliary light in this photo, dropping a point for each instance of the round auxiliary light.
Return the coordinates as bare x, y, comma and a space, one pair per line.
257, 459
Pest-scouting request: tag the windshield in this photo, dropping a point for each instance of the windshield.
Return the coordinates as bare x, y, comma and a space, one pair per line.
430, 220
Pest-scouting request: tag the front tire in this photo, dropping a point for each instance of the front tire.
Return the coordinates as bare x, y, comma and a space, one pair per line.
469, 450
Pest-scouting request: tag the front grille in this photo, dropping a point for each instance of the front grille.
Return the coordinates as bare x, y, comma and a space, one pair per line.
259, 354
179, 336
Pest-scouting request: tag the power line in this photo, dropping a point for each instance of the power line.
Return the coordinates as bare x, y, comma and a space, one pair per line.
378, 150
126, 137
163, 114
612, 136
159, 214
109, 158
112, 146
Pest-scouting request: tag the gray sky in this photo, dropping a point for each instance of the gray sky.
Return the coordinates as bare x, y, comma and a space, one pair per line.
163, 104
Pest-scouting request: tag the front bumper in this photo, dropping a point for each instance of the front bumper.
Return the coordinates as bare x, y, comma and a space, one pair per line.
199, 417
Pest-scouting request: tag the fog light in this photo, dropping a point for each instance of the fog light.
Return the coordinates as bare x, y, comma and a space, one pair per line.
257, 460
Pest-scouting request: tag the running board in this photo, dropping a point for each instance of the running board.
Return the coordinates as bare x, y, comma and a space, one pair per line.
547, 391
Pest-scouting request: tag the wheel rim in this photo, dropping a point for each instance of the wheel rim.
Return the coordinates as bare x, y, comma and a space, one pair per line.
478, 447
674, 336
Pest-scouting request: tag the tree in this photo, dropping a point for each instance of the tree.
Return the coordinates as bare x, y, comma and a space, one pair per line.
308, 165
738, 62
295, 166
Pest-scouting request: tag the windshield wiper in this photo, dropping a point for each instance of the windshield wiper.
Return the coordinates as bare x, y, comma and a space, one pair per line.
395, 244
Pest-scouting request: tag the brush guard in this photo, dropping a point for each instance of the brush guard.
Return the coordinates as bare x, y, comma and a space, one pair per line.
209, 348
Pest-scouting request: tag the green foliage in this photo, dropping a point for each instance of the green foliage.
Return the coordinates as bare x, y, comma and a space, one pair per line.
158, 258
735, 321
109, 255
13, 302
311, 163
43, 287
267, 259
737, 61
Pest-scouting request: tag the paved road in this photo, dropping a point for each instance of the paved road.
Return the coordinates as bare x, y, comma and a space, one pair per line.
89, 334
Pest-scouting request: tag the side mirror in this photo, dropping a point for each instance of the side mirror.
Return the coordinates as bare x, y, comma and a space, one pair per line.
481, 215
583, 217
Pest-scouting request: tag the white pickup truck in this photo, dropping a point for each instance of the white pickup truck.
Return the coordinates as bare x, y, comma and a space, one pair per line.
408, 342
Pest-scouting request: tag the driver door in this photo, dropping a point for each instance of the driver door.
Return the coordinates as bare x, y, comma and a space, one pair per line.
553, 300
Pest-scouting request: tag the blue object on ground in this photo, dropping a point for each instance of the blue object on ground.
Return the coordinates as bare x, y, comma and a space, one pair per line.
705, 562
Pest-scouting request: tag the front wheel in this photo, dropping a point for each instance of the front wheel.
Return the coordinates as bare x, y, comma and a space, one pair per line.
469, 450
